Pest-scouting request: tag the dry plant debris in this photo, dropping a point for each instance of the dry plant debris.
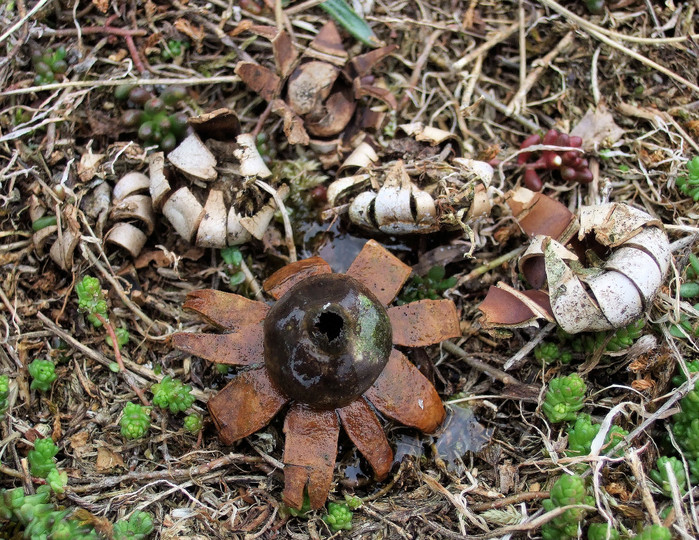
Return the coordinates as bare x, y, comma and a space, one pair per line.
422, 134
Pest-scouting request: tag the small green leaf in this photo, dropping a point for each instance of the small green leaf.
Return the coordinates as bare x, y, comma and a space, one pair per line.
43, 222
237, 279
350, 21
689, 290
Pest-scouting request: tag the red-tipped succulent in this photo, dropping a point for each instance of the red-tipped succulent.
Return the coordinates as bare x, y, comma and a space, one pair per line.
572, 165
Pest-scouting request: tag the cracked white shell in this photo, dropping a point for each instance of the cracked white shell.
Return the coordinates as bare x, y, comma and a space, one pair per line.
623, 288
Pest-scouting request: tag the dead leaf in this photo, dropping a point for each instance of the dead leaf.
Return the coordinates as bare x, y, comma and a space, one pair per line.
78, 443
643, 385
195, 33
597, 129
89, 163
102, 5
108, 460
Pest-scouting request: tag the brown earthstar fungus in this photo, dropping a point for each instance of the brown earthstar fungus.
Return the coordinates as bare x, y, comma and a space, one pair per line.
593, 272
327, 348
317, 94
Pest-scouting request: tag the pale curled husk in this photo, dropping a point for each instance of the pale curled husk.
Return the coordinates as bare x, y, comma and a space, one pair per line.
131, 204
400, 207
211, 224
623, 288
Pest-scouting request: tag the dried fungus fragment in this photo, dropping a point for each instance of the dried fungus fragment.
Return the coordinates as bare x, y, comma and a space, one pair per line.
458, 197
429, 134
127, 236
587, 299
251, 162
399, 207
220, 125
131, 203
194, 159
213, 226
184, 212
316, 94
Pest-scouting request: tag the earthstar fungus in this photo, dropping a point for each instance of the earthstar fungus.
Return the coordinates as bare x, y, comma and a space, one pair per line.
327, 349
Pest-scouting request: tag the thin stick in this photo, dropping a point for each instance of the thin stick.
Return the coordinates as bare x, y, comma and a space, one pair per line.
419, 65
587, 25
492, 264
499, 37
97, 84
173, 474
288, 232
494, 372
120, 360
512, 499
23, 20
519, 100
302, 6
524, 351
250, 280
133, 51
87, 30
500, 106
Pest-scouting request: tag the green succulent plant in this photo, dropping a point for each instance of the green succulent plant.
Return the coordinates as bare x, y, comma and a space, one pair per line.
584, 431
680, 379
568, 490
549, 352
431, 286
4, 395
155, 121
623, 338
49, 66
661, 477
137, 527
689, 184
91, 299
339, 517
135, 421
654, 532
172, 394
41, 458
173, 48
43, 374
193, 423
595, 6
122, 336
602, 531
34, 517
233, 257
564, 398
581, 435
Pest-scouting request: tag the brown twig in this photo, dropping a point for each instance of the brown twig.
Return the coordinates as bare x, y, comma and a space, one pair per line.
133, 51
91, 30
419, 65
117, 355
494, 372
512, 499
172, 474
